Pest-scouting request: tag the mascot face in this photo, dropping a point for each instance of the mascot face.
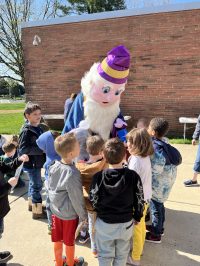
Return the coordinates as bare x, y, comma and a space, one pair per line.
106, 93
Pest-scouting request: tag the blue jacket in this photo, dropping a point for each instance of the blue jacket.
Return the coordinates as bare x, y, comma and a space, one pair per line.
46, 143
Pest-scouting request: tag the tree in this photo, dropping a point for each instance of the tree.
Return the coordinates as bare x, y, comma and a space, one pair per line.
146, 3
12, 13
4, 87
91, 6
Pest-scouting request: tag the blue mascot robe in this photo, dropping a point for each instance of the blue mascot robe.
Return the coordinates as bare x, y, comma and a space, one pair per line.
76, 115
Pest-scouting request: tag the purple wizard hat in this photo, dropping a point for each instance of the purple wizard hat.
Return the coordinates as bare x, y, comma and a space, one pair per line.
115, 67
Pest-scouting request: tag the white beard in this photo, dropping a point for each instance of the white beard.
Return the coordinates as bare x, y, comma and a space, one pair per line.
100, 118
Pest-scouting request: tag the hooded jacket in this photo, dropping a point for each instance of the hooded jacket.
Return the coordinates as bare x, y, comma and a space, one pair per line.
117, 195
27, 145
46, 143
5, 186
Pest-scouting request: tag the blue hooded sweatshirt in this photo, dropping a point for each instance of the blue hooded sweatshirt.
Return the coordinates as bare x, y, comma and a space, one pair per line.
46, 143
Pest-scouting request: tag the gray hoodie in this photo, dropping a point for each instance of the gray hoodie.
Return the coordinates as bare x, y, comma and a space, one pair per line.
65, 192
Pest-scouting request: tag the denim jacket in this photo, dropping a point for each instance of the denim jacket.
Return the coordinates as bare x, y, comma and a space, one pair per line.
163, 174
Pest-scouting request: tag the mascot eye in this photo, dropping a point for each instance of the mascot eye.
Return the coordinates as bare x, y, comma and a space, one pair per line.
106, 89
118, 92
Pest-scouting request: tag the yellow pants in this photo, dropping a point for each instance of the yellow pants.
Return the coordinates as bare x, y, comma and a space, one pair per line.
139, 234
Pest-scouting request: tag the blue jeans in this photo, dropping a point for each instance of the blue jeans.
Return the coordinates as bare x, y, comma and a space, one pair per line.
113, 242
35, 184
196, 167
1, 226
158, 217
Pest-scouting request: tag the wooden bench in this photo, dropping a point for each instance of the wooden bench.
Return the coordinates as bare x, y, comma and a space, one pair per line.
185, 121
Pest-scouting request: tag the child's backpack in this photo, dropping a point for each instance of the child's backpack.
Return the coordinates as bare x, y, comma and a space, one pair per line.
171, 154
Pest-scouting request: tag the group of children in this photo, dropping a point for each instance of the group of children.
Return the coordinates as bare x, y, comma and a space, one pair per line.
109, 192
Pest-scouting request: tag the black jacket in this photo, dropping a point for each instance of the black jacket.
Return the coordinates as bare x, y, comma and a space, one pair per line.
28, 145
117, 195
5, 186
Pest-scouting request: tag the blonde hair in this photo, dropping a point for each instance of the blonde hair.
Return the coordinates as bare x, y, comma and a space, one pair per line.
94, 144
64, 144
140, 141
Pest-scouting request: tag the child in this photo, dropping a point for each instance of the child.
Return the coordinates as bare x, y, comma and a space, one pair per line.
140, 147
164, 170
27, 144
46, 143
96, 163
66, 199
142, 123
10, 154
114, 193
2, 141
5, 186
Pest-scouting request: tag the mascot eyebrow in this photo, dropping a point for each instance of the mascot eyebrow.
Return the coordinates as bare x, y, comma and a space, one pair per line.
98, 103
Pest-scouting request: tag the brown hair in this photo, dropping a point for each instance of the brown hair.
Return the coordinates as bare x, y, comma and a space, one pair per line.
55, 134
30, 108
73, 96
160, 126
144, 121
64, 144
8, 147
94, 145
114, 151
14, 138
140, 141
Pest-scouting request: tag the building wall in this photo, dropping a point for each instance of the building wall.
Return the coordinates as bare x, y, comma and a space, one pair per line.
165, 66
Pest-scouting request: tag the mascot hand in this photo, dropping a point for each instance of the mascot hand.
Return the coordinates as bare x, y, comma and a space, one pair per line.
119, 123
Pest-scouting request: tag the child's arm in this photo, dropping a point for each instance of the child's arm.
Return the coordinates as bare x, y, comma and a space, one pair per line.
94, 191
26, 146
75, 192
13, 165
138, 199
7, 186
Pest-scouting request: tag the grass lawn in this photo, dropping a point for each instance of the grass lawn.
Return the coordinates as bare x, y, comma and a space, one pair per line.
11, 123
12, 106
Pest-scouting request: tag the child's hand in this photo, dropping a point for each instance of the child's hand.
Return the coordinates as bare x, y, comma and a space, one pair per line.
193, 142
23, 158
13, 181
135, 222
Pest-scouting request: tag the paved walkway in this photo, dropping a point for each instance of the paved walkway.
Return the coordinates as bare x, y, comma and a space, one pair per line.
31, 246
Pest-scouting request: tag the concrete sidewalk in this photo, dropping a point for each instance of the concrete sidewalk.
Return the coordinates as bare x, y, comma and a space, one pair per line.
30, 244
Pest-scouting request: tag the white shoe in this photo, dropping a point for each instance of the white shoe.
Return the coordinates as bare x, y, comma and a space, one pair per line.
130, 261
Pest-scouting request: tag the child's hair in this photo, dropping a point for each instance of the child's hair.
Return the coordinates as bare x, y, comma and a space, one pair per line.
64, 144
144, 121
8, 146
94, 145
14, 138
160, 126
30, 108
140, 141
73, 96
114, 151
55, 134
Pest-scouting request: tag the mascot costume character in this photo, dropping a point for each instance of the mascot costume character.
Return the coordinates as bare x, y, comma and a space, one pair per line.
99, 99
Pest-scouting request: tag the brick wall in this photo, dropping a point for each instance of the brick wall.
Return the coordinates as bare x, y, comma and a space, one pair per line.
165, 67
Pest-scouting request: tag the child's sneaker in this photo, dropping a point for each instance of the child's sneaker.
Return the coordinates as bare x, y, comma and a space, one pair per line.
190, 183
130, 261
49, 229
149, 228
84, 237
153, 238
79, 261
5, 256
94, 252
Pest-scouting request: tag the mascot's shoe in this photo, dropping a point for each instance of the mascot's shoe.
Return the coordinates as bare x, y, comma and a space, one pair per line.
37, 211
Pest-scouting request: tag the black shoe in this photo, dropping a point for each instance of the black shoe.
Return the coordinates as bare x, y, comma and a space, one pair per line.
149, 228
190, 183
5, 256
79, 261
85, 238
153, 238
